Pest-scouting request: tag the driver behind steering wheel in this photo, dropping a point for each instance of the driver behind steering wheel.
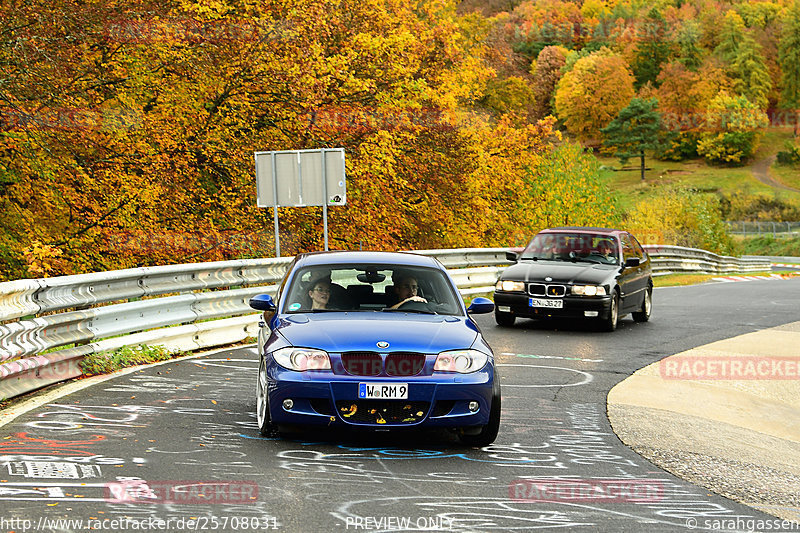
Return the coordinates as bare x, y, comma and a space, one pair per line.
406, 288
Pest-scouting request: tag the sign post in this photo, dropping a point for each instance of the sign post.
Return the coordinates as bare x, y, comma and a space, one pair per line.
300, 178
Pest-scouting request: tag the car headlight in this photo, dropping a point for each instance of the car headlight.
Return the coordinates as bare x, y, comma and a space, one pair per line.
510, 286
302, 359
589, 290
461, 361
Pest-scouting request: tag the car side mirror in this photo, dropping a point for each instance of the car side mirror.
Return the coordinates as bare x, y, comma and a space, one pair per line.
512, 256
263, 302
632, 262
480, 305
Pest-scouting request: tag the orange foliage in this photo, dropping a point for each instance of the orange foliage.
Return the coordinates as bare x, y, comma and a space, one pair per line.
140, 151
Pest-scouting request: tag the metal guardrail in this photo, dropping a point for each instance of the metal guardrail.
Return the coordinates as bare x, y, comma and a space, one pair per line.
667, 259
47, 326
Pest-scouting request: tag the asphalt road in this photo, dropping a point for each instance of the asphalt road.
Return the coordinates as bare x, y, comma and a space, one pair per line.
128, 453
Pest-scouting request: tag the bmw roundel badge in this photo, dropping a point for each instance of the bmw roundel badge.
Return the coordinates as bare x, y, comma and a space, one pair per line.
382, 344
548, 278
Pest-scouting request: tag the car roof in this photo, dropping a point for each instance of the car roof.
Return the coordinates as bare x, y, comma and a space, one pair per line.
583, 229
348, 257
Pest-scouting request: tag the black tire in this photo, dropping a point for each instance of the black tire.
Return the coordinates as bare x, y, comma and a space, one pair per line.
488, 433
504, 319
265, 425
610, 323
643, 314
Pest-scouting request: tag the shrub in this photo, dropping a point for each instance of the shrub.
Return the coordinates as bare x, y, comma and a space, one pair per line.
791, 155
741, 206
679, 146
107, 362
768, 245
682, 217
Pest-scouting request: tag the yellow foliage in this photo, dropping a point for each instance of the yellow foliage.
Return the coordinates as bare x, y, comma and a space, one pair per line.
136, 131
682, 218
42, 259
589, 96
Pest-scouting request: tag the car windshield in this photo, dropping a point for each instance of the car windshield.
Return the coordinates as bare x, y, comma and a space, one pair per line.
373, 287
588, 247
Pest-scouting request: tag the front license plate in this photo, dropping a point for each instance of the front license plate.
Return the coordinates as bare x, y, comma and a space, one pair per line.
383, 391
542, 302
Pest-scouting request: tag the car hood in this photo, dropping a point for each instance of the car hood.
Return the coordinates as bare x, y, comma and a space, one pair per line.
361, 331
560, 271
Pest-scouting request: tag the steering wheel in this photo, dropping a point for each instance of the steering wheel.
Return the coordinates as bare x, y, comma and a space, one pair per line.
413, 305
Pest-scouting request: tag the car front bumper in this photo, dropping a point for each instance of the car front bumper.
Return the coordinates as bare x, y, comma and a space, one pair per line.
328, 399
573, 306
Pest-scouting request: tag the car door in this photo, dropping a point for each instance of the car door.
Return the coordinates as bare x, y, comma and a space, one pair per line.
633, 280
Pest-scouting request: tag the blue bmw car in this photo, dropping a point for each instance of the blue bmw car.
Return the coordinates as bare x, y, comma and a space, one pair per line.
374, 340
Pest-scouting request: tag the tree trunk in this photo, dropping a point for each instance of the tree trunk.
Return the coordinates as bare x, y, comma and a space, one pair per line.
641, 157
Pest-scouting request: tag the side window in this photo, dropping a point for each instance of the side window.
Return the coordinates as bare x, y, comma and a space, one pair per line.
627, 248
640, 253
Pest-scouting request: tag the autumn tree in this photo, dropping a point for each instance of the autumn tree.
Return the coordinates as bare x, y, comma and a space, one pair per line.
690, 52
653, 48
789, 58
567, 190
759, 14
753, 80
733, 129
590, 95
732, 33
746, 63
72, 170
137, 125
547, 70
635, 129
544, 23
509, 95
683, 96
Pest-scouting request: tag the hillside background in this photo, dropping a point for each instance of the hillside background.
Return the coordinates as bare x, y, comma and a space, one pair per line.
127, 129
